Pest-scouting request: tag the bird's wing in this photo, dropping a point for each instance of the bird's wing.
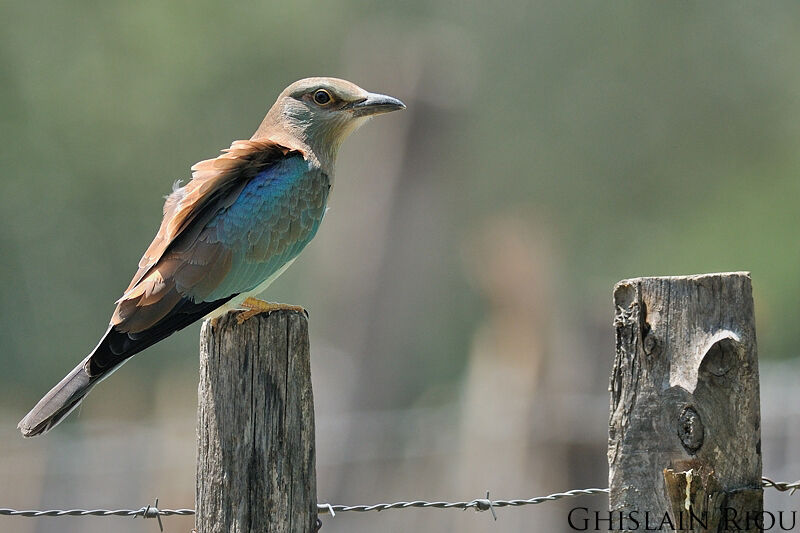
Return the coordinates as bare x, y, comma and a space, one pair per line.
215, 184
177, 255
243, 216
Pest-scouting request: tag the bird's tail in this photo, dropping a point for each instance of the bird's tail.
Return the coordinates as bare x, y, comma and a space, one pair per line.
114, 349
59, 402
108, 356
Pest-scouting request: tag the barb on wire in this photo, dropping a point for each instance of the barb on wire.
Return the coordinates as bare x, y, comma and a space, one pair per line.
480, 504
152, 511
782, 486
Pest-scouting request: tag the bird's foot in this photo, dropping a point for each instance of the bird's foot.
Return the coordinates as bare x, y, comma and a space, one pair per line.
254, 306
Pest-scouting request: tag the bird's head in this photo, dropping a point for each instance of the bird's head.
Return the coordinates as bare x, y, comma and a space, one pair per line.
322, 112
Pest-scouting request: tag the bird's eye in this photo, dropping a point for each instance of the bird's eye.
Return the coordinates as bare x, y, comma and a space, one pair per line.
322, 97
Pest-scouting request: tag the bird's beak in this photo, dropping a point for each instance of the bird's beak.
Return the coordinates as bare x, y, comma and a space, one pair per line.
376, 104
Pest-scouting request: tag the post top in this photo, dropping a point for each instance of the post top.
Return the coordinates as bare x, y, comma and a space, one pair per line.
691, 277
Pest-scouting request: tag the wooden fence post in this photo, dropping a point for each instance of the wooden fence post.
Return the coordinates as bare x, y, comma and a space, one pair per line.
684, 431
255, 428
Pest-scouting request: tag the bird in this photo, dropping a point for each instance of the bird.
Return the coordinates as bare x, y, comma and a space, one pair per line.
235, 226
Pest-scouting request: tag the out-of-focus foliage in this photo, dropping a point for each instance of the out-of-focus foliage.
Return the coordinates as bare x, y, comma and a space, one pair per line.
633, 138
651, 138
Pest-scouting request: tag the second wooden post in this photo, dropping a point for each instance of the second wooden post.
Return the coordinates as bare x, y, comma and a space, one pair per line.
684, 445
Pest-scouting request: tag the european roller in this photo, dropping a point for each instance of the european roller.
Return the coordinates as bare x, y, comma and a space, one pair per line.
229, 232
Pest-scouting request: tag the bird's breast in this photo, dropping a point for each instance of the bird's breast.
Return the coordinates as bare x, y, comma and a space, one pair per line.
275, 216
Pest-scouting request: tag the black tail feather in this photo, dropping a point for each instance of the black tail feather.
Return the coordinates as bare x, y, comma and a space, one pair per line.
111, 352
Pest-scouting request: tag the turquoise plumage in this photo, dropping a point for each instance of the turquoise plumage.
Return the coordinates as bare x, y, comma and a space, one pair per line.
275, 216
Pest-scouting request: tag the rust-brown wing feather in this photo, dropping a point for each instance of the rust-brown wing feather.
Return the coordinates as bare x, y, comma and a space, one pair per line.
180, 258
211, 180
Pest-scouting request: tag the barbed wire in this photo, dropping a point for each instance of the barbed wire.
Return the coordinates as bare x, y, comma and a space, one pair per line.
479, 504
149, 511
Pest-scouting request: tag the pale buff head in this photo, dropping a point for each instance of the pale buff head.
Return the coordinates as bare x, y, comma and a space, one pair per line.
318, 114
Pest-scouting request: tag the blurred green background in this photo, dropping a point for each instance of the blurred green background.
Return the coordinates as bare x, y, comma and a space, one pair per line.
549, 150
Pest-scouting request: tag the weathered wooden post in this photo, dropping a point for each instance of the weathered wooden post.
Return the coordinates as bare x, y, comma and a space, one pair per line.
255, 428
684, 432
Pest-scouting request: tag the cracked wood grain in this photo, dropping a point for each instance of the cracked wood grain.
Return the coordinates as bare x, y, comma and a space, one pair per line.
685, 396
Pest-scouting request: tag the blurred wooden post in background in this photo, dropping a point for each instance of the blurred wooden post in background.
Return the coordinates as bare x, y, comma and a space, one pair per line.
255, 430
684, 431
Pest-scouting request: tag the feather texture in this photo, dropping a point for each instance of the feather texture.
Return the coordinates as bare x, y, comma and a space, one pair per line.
186, 258
212, 179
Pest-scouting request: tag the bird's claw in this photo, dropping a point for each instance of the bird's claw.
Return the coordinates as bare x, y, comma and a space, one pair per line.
253, 306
